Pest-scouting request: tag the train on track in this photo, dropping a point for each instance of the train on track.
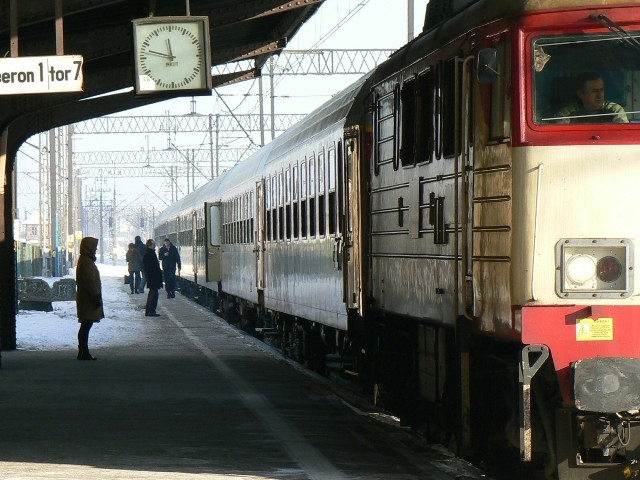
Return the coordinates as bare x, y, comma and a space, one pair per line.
457, 234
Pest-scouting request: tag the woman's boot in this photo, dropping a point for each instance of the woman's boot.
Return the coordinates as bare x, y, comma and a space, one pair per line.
87, 356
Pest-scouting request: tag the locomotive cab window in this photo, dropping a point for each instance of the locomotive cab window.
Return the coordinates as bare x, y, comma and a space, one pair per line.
500, 120
586, 79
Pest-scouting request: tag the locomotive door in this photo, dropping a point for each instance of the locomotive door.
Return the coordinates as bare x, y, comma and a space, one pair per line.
211, 242
466, 187
258, 234
349, 211
464, 240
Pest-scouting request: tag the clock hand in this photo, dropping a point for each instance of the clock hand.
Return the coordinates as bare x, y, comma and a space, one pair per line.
159, 54
169, 48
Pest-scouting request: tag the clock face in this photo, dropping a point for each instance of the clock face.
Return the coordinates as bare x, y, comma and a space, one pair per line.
172, 55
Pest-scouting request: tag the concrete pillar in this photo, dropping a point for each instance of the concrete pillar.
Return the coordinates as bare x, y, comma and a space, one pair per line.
7, 251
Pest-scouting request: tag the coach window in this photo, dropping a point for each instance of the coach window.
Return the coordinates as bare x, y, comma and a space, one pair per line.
247, 220
239, 219
252, 213
385, 145
322, 211
234, 238
274, 207
242, 219
287, 200
274, 220
450, 89
295, 182
245, 217
280, 206
331, 182
267, 209
312, 196
224, 222
229, 218
408, 123
236, 211
230, 221
303, 199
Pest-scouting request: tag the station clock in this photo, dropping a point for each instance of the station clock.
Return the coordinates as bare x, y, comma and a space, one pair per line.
172, 55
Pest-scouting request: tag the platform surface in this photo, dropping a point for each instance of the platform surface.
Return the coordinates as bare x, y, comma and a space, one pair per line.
191, 397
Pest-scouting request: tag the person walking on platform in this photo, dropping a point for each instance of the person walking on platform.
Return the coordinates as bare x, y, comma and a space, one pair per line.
142, 248
134, 265
153, 274
170, 258
88, 295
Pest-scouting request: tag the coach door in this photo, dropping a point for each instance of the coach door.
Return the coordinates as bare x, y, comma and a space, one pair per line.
258, 235
194, 236
349, 211
212, 241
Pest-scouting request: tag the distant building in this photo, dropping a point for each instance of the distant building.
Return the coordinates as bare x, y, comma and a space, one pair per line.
28, 229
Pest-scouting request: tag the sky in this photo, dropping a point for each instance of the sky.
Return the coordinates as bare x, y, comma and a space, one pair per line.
338, 24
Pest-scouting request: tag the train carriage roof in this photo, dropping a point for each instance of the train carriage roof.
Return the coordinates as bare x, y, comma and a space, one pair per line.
206, 193
332, 113
335, 111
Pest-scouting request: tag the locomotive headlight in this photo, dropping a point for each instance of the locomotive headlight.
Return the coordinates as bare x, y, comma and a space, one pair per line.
594, 268
581, 269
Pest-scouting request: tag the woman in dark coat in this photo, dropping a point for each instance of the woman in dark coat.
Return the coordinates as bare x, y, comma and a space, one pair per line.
88, 294
134, 265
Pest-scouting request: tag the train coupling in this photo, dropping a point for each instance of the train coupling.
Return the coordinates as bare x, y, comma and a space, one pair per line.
632, 470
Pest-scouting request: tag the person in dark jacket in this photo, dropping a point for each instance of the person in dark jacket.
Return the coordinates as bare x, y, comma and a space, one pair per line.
142, 248
134, 266
88, 295
153, 274
170, 258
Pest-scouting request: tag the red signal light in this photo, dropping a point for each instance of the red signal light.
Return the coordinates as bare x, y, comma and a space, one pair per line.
609, 269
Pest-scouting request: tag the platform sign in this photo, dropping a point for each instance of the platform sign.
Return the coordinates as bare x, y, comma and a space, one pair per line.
54, 74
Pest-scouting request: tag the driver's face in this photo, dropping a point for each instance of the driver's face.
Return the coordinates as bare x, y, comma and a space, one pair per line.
592, 96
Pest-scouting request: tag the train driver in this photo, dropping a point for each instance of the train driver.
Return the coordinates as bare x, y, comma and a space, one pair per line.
591, 106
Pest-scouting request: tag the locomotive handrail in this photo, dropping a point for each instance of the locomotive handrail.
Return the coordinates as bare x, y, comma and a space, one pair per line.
534, 297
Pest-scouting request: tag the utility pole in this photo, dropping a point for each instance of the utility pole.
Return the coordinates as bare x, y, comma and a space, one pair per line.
273, 99
101, 222
410, 20
53, 200
70, 191
261, 102
114, 222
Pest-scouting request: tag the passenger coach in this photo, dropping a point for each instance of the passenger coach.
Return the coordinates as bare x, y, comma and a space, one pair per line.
459, 227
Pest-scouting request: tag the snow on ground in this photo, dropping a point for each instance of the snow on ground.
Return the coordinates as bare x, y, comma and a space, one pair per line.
58, 330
